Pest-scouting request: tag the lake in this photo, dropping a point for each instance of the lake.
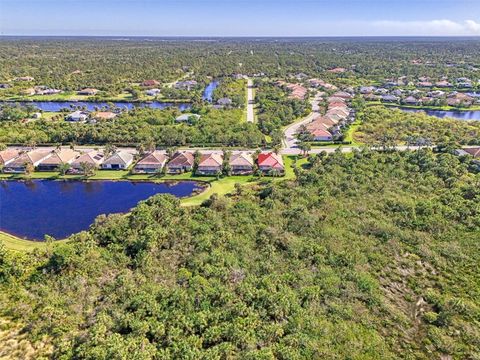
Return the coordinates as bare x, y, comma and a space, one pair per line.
456, 114
55, 106
208, 92
31, 209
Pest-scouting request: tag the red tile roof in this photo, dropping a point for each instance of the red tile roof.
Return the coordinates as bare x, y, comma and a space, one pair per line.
270, 160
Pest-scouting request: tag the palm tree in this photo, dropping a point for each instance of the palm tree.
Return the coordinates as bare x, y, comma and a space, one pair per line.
63, 168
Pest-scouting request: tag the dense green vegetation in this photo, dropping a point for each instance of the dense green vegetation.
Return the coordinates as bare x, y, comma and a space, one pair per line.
275, 110
142, 125
233, 90
388, 126
364, 256
112, 65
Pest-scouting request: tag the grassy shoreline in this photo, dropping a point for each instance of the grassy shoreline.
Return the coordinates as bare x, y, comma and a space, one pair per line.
222, 186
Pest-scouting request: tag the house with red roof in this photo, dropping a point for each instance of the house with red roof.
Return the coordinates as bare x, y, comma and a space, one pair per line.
268, 162
148, 83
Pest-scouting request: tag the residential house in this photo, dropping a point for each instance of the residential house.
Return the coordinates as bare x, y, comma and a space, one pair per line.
473, 151
57, 158
88, 91
24, 78
224, 101
367, 89
120, 160
210, 164
443, 84
149, 83
8, 155
93, 157
33, 158
241, 163
187, 118
424, 84
337, 70
343, 94
269, 162
390, 98
181, 162
104, 115
153, 92
410, 100
186, 85
319, 134
28, 92
151, 163
77, 116
4, 86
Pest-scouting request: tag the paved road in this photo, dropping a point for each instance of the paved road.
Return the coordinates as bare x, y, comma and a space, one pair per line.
250, 111
289, 141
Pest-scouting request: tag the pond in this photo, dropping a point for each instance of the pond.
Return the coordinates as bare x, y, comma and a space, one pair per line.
456, 114
31, 209
208, 92
55, 106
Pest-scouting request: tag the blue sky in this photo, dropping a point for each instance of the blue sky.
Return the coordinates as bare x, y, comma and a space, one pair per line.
240, 17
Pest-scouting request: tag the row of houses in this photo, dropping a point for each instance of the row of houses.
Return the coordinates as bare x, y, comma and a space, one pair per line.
210, 163
427, 82
328, 127
418, 97
296, 91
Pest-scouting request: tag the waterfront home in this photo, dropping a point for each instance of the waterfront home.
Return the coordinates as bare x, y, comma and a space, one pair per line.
88, 91
389, 98
224, 102
104, 115
185, 85
28, 92
77, 116
153, 92
210, 164
151, 163
241, 163
8, 155
270, 162
459, 99
148, 83
181, 162
30, 158
93, 158
120, 160
410, 100
187, 118
57, 158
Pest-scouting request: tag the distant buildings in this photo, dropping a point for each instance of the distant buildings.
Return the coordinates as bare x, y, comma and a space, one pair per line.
88, 91
77, 116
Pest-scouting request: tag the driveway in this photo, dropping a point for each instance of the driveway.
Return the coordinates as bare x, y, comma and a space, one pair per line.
250, 101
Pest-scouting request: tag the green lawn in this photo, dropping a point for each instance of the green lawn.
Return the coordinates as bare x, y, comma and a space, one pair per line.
221, 186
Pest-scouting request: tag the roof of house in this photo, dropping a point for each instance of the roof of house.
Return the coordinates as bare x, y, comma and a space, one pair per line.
271, 160
30, 157
104, 115
320, 132
8, 155
224, 101
154, 158
186, 117
60, 156
150, 83
182, 159
211, 160
241, 159
92, 157
475, 151
120, 157
88, 90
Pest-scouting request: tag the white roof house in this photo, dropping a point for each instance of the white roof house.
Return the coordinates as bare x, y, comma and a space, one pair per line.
77, 116
121, 159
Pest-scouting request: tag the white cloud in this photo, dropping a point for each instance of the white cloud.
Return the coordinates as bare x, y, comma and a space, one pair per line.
442, 27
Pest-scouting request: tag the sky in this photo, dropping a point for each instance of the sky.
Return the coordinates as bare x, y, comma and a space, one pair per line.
241, 17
